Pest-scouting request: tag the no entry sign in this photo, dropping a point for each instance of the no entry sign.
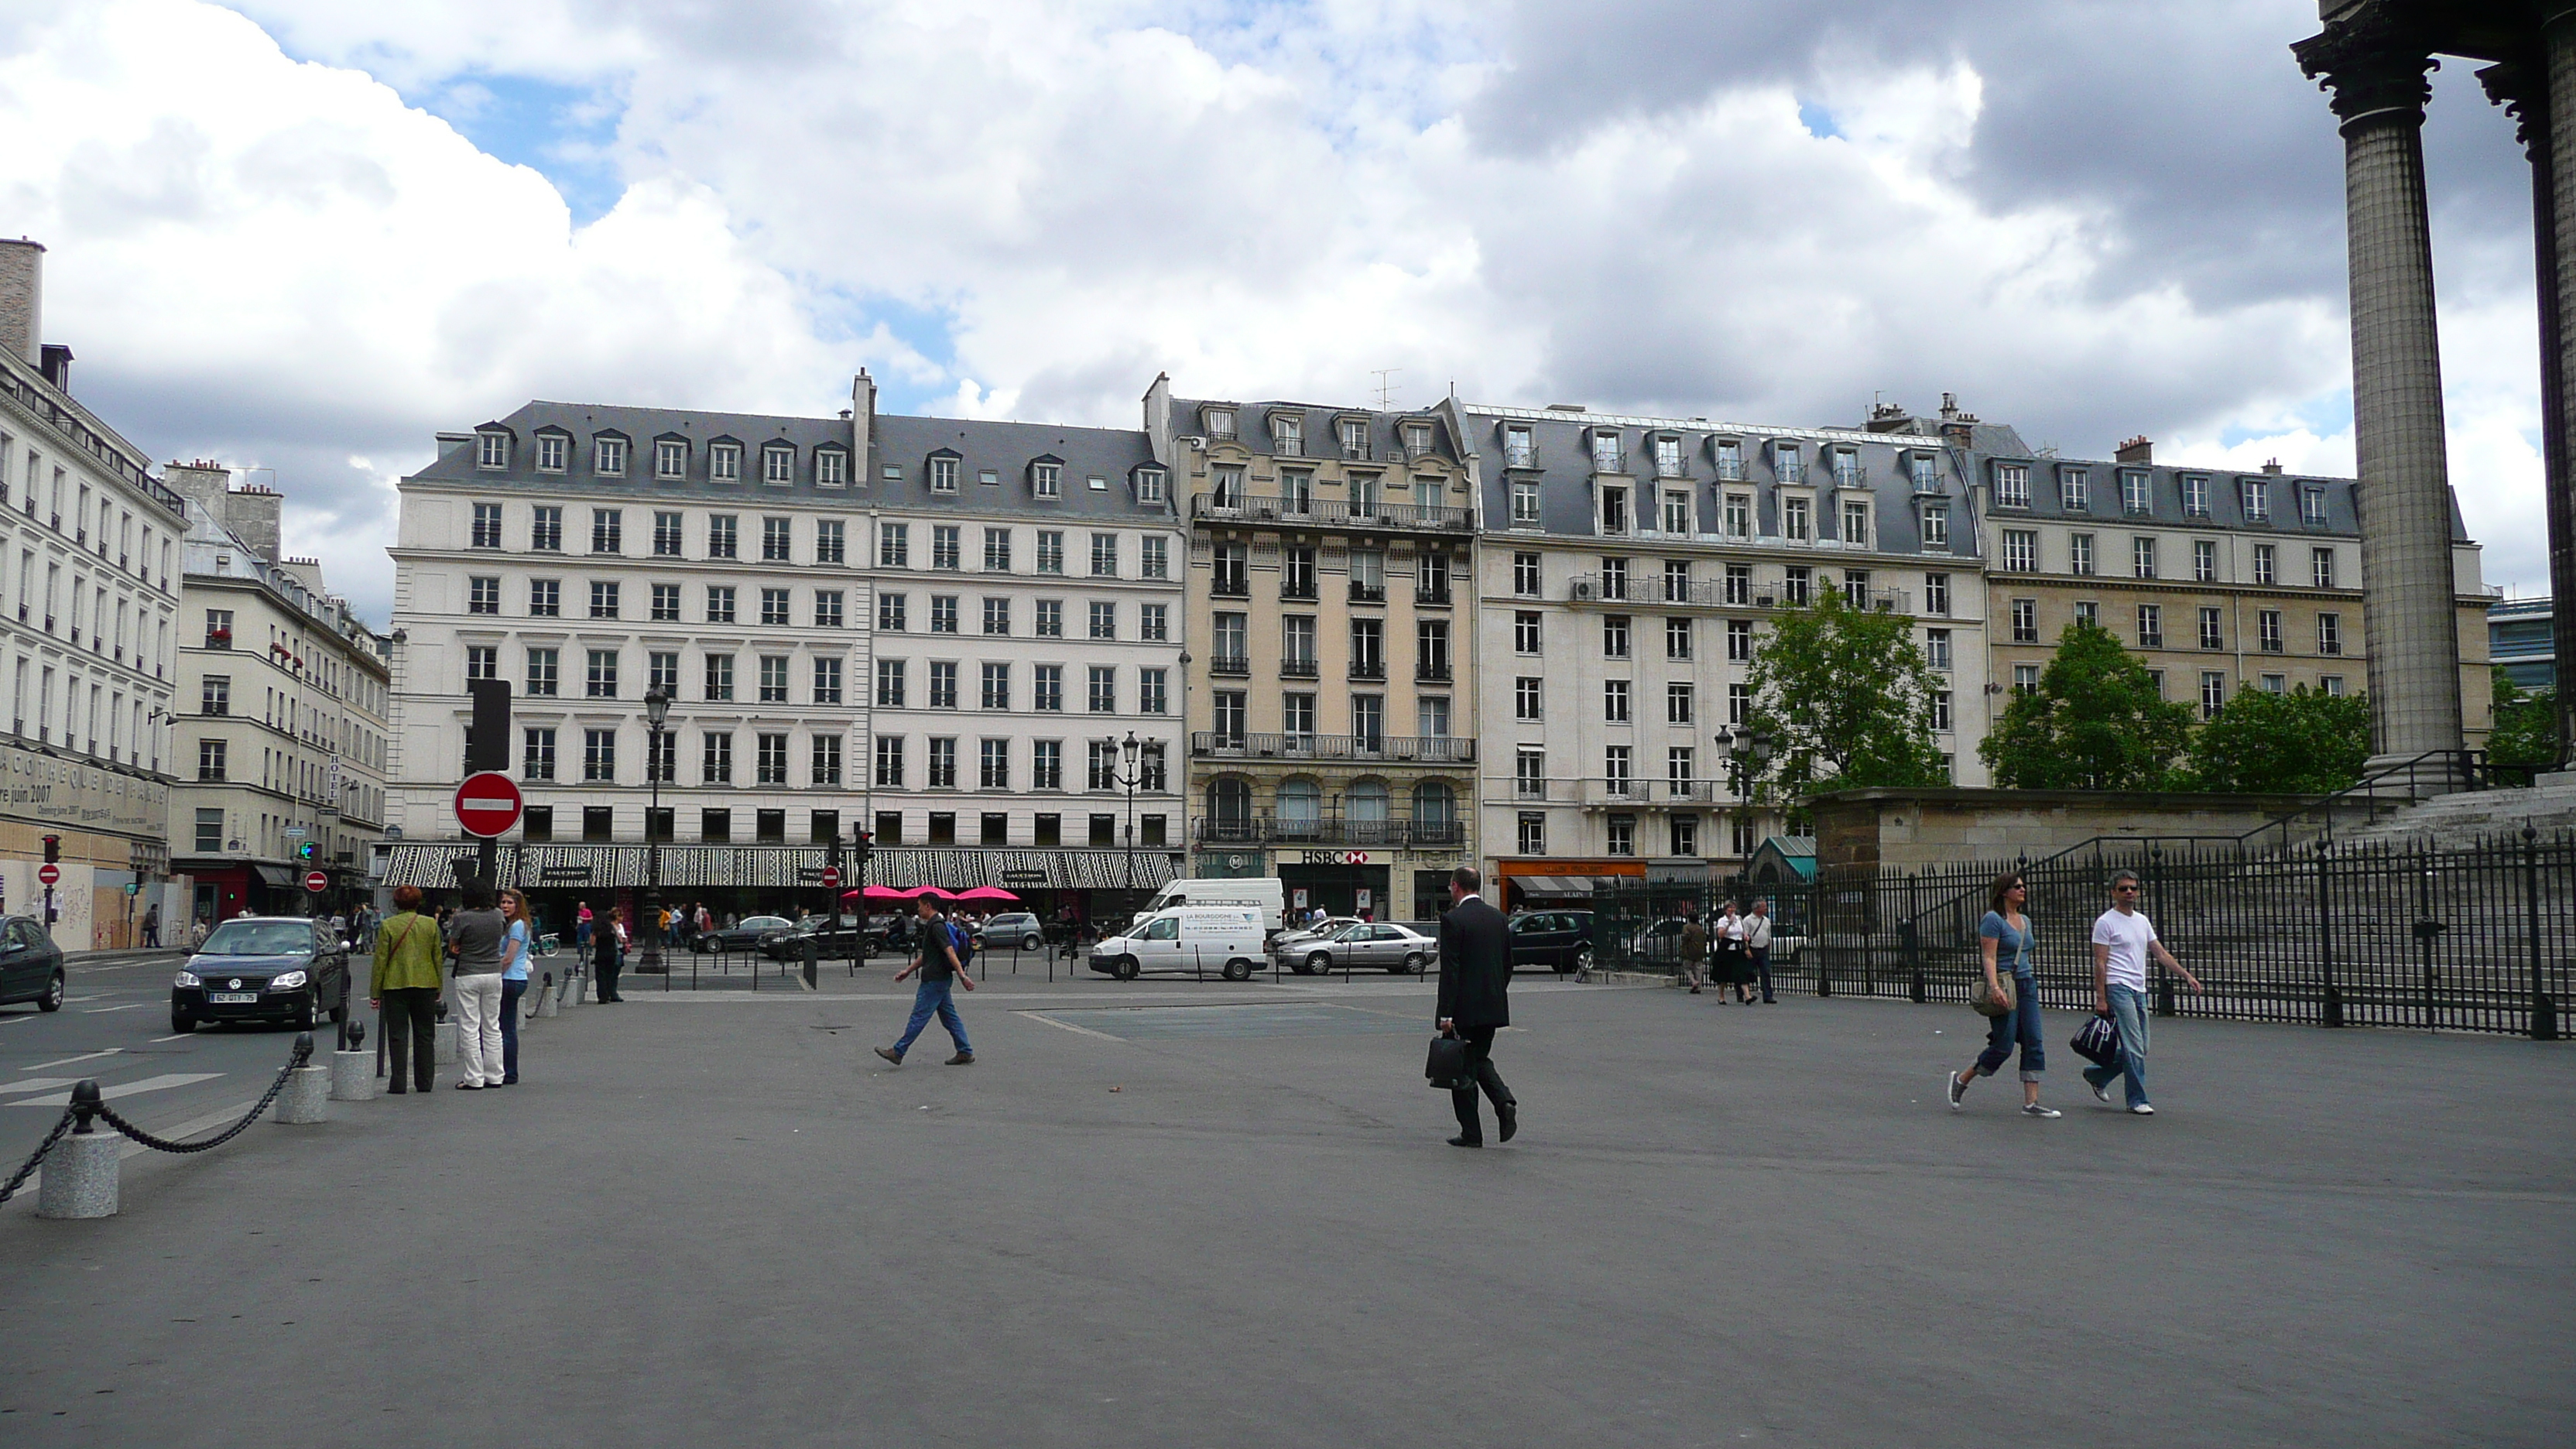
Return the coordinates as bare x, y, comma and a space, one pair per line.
488, 803
831, 877
49, 873
316, 882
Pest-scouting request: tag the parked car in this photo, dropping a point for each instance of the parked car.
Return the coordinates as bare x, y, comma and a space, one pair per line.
1558, 940
1658, 943
744, 935
1011, 929
31, 965
264, 968
1283, 945
835, 938
1359, 947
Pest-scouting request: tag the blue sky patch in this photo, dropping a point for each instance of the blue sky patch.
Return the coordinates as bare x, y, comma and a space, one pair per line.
564, 133
1818, 121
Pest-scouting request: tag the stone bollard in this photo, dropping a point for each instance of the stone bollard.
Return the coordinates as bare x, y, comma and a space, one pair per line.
448, 1036
306, 1097
79, 1178
546, 1004
353, 1076
576, 987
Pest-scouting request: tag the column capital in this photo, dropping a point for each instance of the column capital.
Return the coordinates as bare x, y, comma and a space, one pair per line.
2522, 88
2374, 63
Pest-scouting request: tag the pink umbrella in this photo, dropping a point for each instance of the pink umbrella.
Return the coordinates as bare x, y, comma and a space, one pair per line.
875, 893
989, 893
919, 891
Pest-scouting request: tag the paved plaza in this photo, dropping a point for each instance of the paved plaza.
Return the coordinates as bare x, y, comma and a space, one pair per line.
1160, 1213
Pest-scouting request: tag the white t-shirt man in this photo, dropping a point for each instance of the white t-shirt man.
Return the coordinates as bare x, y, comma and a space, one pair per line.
2128, 934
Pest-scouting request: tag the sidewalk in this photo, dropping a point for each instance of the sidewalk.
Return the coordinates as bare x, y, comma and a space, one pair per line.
1163, 1214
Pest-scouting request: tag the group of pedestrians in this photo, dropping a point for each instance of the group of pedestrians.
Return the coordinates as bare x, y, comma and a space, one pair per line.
1733, 947
2124, 940
484, 951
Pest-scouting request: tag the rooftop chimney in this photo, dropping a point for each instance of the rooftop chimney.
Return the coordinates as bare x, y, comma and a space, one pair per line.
22, 299
2271, 465
1888, 417
2136, 450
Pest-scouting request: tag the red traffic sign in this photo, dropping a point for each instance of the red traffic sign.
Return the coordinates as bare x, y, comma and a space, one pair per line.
488, 803
316, 882
831, 877
49, 873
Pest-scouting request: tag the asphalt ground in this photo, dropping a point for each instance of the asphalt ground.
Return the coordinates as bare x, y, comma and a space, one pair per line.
1169, 1214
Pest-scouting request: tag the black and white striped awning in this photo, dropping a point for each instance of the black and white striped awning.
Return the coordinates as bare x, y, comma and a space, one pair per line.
688, 867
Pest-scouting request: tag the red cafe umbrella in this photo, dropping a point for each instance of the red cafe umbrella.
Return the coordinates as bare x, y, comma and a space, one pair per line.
989, 893
919, 891
877, 893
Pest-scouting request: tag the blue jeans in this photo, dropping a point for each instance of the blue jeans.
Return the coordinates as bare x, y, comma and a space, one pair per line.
2129, 1009
511, 991
934, 996
2022, 1024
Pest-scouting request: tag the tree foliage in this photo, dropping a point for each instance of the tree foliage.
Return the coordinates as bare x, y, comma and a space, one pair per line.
2526, 725
1846, 698
2096, 722
2304, 742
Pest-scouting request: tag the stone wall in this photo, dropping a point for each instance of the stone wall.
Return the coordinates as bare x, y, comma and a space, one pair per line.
1910, 829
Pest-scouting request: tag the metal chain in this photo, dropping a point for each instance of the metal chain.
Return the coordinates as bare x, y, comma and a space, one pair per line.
303, 1049
19, 1178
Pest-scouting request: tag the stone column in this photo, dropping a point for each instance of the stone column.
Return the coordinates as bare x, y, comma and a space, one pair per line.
2409, 617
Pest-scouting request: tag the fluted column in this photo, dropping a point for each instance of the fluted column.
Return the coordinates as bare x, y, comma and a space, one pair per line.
2409, 612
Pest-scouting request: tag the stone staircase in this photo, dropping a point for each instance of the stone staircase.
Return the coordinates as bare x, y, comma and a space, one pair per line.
2461, 819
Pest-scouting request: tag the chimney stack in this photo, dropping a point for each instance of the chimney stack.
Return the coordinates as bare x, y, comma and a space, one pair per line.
2136, 450
2271, 465
22, 299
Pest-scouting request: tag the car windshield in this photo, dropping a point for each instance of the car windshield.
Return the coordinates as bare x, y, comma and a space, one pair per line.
259, 938
1356, 931
765, 923
1014, 920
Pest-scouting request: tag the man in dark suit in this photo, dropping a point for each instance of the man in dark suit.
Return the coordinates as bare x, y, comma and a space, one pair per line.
1475, 974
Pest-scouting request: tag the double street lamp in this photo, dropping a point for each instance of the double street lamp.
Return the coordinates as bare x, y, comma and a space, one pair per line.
1746, 749
657, 708
1130, 750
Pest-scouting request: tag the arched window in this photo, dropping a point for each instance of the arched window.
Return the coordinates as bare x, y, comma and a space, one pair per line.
1229, 806
1301, 805
1365, 808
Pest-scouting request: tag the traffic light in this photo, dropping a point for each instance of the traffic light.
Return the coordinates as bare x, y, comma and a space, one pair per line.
53, 849
304, 851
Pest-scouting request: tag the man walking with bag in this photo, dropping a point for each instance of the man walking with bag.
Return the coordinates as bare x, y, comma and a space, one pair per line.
945, 947
1475, 974
2123, 939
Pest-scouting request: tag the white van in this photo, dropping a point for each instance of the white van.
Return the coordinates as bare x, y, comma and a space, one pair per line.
1223, 939
1263, 893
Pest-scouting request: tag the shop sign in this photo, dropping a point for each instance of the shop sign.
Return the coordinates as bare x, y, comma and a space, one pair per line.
1332, 857
1037, 878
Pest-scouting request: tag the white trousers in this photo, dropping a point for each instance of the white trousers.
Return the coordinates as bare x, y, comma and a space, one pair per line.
478, 1030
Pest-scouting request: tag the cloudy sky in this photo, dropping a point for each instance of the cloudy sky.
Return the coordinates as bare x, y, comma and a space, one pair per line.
307, 234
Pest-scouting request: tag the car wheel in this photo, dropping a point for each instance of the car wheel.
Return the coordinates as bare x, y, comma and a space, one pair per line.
305, 1014
52, 1000
1412, 964
1582, 958
1030, 943
1238, 969
181, 1023
1319, 964
1128, 970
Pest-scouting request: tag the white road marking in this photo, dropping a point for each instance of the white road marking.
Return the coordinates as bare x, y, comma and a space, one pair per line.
129, 1006
183, 1036
77, 1000
83, 1057
1069, 1026
161, 1083
37, 1084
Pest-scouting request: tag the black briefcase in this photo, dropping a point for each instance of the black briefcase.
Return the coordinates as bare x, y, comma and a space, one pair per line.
1448, 1064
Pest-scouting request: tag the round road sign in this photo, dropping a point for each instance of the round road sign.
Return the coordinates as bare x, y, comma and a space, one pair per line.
49, 873
831, 877
487, 804
316, 882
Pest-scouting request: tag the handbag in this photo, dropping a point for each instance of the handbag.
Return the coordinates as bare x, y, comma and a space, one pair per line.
2098, 1041
1447, 1066
1998, 1002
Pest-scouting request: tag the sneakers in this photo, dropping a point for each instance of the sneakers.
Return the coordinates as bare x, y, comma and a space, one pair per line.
2033, 1109
2142, 1110
962, 1059
890, 1054
2101, 1090
1958, 1089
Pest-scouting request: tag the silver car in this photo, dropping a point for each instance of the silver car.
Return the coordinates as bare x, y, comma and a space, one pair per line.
1359, 947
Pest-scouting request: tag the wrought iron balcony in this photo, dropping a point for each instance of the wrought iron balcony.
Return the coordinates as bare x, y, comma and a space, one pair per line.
1238, 665
1298, 669
1431, 596
1332, 513
1395, 749
1328, 830
1431, 673
1368, 669
1367, 593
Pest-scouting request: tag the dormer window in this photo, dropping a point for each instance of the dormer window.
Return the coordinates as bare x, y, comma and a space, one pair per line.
1355, 438
1607, 455
2075, 490
724, 462
1046, 480
670, 458
2195, 497
1926, 471
778, 464
1520, 449
1220, 422
1786, 462
1288, 435
2258, 500
1149, 485
1730, 460
1417, 439
2312, 504
2135, 496
552, 449
1847, 469
831, 468
1614, 510
2012, 485
492, 451
1668, 457
608, 457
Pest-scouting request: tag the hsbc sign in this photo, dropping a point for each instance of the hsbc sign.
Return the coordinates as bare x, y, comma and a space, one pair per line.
1332, 857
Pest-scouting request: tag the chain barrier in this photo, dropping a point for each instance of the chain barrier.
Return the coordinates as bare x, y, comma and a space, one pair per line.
303, 1050
19, 1178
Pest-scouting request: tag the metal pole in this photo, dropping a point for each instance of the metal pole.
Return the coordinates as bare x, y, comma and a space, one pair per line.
2544, 1012
2332, 1005
651, 925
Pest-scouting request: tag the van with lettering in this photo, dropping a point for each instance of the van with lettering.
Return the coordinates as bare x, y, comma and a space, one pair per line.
1263, 893
1189, 939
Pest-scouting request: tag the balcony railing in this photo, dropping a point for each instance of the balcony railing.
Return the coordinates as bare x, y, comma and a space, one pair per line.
1225, 588
1368, 669
1730, 470
1854, 475
1333, 513
1329, 830
1297, 593
1417, 749
1431, 596
1367, 593
1298, 669
1238, 665
1430, 673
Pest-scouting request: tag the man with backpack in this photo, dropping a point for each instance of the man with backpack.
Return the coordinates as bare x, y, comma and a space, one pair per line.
945, 949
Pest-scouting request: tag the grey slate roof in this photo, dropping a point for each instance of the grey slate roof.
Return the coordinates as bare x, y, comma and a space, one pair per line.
1255, 426
2227, 496
585, 422
1114, 455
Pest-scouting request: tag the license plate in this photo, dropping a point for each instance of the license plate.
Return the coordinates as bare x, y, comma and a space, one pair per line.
232, 998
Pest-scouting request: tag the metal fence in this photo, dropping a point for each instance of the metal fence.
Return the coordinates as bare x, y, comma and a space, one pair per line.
2475, 937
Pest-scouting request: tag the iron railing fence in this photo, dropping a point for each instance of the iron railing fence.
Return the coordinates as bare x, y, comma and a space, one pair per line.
2476, 936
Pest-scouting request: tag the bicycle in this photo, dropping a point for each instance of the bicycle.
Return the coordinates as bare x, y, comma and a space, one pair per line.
548, 944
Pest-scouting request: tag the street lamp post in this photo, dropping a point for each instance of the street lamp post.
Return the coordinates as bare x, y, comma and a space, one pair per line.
1128, 751
657, 708
1747, 751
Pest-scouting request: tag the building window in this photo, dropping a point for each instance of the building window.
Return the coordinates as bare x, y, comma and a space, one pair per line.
943, 475
601, 681
1533, 833
996, 686
831, 468
215, 695
1855, 523
1941, 718
2025, 679
1685, 835
545, 598
2021, 550
482, 661
1739, 641
1614, 510
1614, 701
607, 530
2331, 684
894, 545
2204, 560
1104, 555
608, 457
487, 525
2074, 492
545, 528
2134, 496
1856, 588
662, 672
829, 539
1149, 485
1794, 523
1795, 584
603, 599
2212, 635
211, 759
1527, 702
1677, 510
773, 679
482, 596
715, 759
544, 669
1739, 703
493, 452
997, 616
2142, 557
889, 774
2321, 567
1677, 581
890, 613
943, 613
537, 754
2266, 564
724, 462
1614, 636
2329, 633
662, 763
945, 550
1155, 556
1104, 688
1677, 638
1679, 768
2151, 626
1679, 699
719, 677
1153, 691
1048, 688
1524, 503
2312, 504
599, 756
1618, 771
2088, 612
720, 604
827, 608
722, 535
2267, 629
2258, 499
2195, 497
210, 831
666, 535
1936, 649
1104, 619
2213, 693
1936, 595
2012, 485
1529, 773
1936, 525
769, 760
943, 684
2079, 553
1525, 631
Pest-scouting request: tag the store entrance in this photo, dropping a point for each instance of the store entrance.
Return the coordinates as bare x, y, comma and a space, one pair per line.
1342, 890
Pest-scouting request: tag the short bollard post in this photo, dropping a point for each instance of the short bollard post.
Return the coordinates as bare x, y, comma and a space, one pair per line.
353, 1067
79, 1177
448, 1035
306, 1097
546, 997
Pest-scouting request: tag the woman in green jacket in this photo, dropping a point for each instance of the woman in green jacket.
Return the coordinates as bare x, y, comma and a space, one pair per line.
405, 987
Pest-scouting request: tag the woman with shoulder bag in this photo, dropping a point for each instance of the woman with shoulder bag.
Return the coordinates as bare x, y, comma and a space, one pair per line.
2004, 937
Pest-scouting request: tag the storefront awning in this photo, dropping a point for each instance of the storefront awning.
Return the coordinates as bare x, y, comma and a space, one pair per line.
275, 875
773, 867
1555, 887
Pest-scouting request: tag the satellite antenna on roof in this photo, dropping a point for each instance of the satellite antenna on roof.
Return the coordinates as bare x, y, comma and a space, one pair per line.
1385, 386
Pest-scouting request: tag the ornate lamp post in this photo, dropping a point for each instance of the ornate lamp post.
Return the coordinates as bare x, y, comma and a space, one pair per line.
657, 708
1747, 752
1128, 750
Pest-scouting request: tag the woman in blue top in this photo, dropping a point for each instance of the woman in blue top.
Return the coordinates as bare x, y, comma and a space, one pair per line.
2004, 937
514, 980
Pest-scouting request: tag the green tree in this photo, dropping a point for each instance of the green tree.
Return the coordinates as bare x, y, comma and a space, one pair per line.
2526, 725
2096, 722
2304, 742
1846, 698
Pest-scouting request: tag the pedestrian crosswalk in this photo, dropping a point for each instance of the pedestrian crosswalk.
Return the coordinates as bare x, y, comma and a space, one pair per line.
63, 1097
